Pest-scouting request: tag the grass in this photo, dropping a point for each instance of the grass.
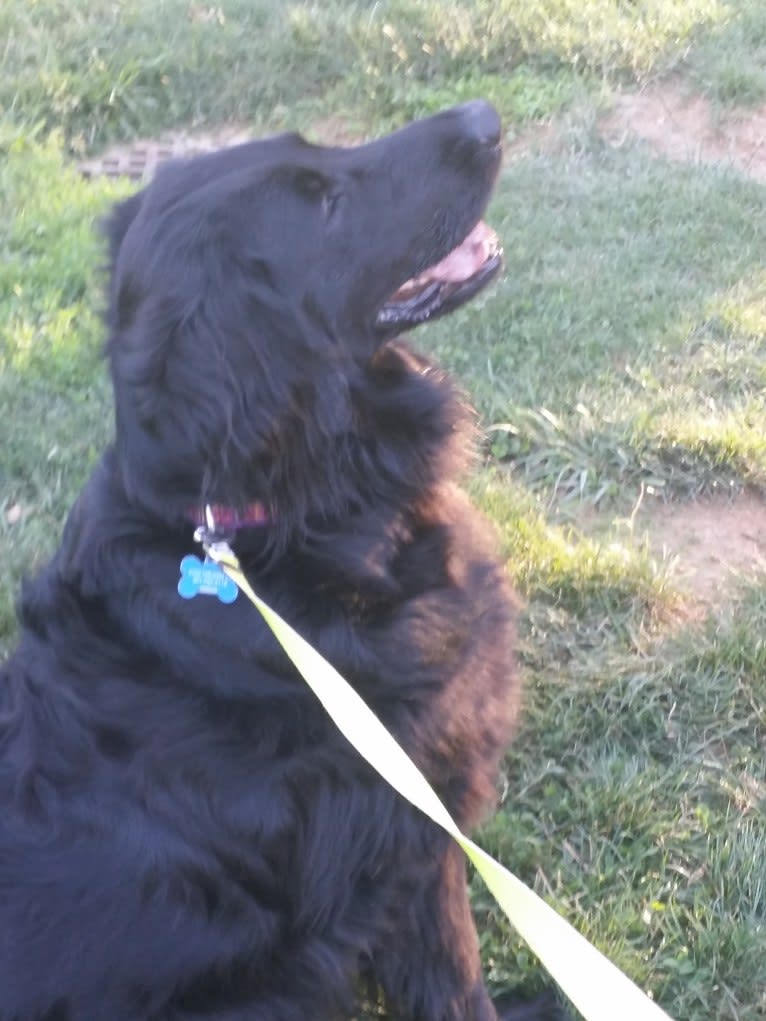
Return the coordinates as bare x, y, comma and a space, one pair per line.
620, 358
729, 64
118, 69
624, 346
649, 830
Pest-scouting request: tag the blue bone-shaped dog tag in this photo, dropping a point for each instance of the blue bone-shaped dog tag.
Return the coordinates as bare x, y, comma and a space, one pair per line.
205, 579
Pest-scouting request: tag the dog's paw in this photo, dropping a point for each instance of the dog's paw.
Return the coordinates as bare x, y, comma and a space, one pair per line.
545, 1007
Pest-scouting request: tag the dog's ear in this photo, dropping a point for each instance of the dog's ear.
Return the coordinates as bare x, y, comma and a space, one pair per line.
115, 226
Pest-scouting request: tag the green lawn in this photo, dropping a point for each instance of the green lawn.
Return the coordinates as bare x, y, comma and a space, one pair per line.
620, 359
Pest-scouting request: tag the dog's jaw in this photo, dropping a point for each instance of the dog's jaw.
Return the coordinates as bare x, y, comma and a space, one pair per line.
446, 285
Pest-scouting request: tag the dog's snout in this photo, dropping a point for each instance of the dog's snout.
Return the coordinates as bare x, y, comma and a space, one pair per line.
481, 122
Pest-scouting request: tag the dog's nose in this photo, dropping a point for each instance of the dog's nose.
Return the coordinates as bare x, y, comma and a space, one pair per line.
481, 122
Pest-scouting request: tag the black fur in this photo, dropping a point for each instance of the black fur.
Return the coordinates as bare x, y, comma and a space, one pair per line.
183, 833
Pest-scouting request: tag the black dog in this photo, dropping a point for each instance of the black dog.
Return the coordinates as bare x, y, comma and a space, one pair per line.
183, 832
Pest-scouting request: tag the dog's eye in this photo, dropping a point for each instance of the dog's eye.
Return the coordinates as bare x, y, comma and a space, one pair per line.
311, 183
315, 187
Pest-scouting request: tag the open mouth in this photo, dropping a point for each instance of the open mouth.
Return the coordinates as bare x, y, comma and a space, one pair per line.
446, 285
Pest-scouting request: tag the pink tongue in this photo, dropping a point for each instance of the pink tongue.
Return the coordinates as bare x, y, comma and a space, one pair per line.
467, 259
461, 263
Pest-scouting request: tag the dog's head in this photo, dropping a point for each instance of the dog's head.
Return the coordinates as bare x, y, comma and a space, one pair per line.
252, 289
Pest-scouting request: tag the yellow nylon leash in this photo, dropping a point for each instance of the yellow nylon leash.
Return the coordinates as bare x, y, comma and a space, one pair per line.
599, 990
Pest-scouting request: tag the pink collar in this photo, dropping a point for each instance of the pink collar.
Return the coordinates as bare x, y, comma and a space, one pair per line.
232, 518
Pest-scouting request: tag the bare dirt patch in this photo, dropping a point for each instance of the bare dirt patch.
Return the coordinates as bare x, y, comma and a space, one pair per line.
687, 128
676, 124
711, 544
335, 131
